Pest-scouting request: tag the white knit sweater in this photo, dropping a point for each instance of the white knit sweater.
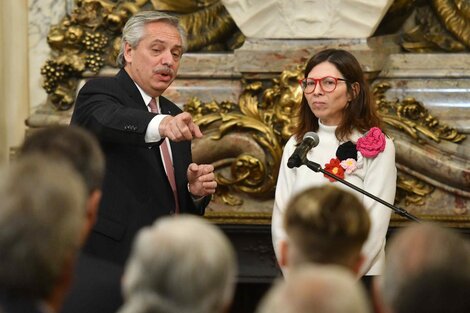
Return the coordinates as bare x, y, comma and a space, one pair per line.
377, 176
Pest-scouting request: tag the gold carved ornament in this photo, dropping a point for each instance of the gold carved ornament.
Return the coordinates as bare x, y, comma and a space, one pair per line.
84, 40
250, 135
208, 24
441, 25
411, 117
411, 190
89, 38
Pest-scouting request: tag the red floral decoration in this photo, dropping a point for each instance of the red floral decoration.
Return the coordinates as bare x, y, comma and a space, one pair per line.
334, 167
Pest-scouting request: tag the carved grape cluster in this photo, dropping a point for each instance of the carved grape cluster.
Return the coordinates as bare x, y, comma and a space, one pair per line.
95, 42
94, 62
53, 73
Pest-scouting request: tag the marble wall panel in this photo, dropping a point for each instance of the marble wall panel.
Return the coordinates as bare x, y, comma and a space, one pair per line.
446, 99
209, 65
440, 81
42, 14
274, 56
307, 18
184, 89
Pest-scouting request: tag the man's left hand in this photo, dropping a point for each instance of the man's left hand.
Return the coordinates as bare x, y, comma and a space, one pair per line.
201, 179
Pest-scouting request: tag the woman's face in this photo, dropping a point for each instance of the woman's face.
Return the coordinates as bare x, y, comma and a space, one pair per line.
328, 106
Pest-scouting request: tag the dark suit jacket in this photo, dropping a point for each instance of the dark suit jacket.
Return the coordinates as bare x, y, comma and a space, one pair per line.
14, 304
96, 287
136, 190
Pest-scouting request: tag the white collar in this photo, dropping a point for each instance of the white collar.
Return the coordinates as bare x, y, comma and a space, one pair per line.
146, 97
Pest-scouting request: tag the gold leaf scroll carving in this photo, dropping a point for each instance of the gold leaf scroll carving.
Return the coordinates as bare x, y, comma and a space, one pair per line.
440, 25
246, 138
411, 117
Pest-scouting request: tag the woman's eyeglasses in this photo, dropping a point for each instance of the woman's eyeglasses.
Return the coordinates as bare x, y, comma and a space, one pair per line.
327, 84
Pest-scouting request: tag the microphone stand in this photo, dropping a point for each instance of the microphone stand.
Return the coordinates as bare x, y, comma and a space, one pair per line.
317, 168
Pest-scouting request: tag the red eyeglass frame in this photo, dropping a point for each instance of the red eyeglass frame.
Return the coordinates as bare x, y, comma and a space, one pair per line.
318, 80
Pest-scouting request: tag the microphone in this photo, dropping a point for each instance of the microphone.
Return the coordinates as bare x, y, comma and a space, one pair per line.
309, 141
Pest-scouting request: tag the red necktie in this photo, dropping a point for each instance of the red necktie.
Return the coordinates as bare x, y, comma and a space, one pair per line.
165, 151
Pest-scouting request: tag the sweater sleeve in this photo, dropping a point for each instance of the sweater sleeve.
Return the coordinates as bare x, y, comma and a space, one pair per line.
284, 185
380, 180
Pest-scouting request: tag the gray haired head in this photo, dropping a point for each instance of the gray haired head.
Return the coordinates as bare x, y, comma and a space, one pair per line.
180, 264
41, 219
133, 31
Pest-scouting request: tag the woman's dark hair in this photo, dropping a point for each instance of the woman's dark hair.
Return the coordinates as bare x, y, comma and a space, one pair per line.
360, 114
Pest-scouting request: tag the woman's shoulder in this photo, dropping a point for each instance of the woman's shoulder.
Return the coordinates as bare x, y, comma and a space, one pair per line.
291, 142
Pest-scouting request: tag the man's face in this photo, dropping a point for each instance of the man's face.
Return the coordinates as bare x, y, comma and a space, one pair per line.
153, 64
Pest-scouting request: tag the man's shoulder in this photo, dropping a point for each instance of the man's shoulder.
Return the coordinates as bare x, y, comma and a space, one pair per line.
121, 78
117, 84
166, 103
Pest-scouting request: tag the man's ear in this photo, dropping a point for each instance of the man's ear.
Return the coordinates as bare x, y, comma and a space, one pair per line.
127, 52
283, 252
92, 205
358, 264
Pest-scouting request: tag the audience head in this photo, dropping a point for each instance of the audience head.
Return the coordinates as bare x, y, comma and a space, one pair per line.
316, 289
82, 151
41, 217
134, 30
436, 290
413, 250
180, 264
73, 144
325, 225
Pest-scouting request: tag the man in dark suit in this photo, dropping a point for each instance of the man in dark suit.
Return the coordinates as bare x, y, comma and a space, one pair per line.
142, 182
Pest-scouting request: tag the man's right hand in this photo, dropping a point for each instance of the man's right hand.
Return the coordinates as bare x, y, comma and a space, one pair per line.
180, 127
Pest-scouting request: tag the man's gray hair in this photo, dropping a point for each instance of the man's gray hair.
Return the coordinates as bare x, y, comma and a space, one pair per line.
133, 31
315, 288
41, 218
73, 144
181, 264
418, 248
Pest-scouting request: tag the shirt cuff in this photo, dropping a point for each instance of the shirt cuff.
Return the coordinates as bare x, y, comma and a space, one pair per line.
196, 200
152, 134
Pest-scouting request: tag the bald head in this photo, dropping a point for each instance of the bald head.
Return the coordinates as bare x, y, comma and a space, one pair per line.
418, 248
316, 289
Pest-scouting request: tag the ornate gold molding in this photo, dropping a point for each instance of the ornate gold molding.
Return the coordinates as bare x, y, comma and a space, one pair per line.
446, 220
396, 220
262, 127
411, 117
442, 25
411, 190
83, 41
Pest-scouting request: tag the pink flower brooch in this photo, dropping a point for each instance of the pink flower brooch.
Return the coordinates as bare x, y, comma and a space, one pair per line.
349, 155
372, 143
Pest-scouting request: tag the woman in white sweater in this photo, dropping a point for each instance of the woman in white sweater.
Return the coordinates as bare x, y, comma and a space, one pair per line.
338, 106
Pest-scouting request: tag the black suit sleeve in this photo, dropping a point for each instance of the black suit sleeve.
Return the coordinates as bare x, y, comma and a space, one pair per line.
112, 115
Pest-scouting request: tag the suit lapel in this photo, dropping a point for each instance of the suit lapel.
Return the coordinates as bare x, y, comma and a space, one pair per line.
131, 89
167, 107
